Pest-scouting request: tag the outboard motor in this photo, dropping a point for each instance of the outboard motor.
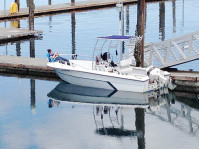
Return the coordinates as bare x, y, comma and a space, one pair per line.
162, 77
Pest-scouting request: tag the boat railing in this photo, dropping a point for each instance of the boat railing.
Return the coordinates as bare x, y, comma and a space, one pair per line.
74, 56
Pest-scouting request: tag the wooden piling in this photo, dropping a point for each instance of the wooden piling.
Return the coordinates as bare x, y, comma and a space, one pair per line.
18, 4
31, 15
140, 27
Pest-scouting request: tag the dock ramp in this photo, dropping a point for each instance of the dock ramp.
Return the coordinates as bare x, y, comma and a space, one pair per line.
174, 51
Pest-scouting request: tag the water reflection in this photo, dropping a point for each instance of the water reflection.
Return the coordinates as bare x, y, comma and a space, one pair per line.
32, 47
174, 15
15, 23
32, 97
74, 93
161, 104
110, 108
162, 20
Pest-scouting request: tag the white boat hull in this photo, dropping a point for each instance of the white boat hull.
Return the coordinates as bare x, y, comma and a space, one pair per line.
90, 79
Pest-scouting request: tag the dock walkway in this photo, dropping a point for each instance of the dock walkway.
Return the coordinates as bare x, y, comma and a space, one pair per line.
25, 66
40, 10
37, 67
7, 34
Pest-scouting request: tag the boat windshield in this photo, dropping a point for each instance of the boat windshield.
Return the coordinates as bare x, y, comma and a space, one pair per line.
113, 47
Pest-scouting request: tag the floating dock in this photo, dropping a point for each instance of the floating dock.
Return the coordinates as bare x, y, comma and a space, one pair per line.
25, 66
47, 9
186, 80
8, 34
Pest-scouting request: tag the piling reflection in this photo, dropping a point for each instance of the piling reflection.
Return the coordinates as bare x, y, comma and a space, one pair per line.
162, 20
174, 15
32, 97
32, 47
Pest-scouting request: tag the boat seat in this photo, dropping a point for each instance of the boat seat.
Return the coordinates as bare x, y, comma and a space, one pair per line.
98, 60
126, 63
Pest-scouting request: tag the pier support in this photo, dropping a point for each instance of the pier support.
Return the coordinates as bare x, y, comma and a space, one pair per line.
127, 20
31, 15
174, 15
162, 20
18, 3
49, 2
139, 48
73, 25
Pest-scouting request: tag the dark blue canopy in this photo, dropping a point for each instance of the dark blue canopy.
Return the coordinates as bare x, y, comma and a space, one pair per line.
116, 37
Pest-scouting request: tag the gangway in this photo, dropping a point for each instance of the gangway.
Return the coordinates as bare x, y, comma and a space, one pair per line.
173, 52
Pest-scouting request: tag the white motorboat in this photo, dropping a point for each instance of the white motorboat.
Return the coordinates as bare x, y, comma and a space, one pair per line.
107, 70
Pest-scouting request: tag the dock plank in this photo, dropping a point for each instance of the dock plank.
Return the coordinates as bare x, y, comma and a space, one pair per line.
40, 10
12, 33
25, 65
37, 67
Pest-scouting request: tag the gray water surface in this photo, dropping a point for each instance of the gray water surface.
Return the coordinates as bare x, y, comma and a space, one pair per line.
28, 122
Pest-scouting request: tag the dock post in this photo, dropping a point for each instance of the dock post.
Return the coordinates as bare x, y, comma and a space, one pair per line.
18, 4
73, 25
27, 3
72, 2
139, 49
4, 5
127, 20
162, 20
31, 15
174, 15
49, 2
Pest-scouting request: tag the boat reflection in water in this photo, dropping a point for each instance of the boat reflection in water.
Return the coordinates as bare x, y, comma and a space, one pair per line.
79, 94
112, 108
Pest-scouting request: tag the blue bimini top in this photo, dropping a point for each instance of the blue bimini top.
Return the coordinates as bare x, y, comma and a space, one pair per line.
116, 37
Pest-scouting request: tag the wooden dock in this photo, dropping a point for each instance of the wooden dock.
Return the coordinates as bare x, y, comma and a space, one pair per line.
8, 34
25, 66
47, 9
37, 67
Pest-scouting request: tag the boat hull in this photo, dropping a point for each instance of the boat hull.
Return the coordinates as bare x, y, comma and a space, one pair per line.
102, 81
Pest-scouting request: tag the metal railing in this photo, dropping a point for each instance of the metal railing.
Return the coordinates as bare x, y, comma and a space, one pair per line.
173, 51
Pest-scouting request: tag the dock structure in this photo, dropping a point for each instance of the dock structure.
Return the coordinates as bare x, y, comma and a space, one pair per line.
8, 34
173, 51
47, 9
25, 66
37, 67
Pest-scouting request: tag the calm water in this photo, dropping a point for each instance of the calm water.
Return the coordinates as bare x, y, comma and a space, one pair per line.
26, 121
